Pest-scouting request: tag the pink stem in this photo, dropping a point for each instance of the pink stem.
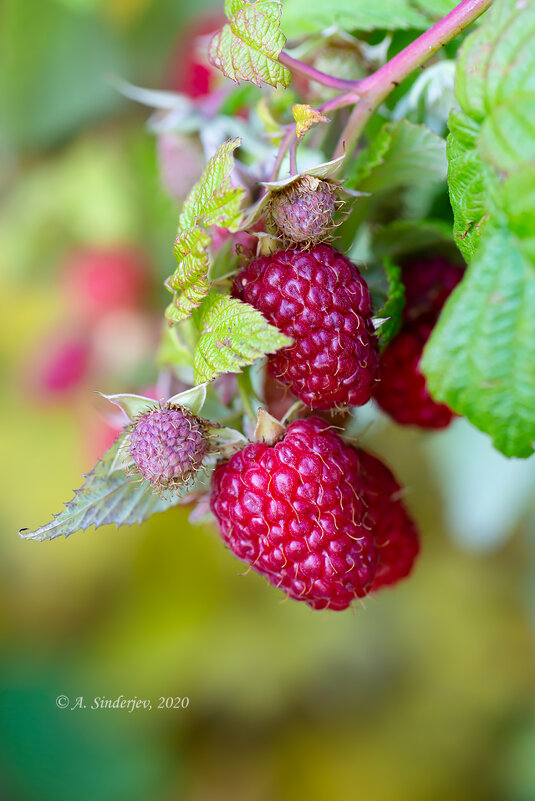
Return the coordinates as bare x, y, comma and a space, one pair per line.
284, 145
313, 74
370, 92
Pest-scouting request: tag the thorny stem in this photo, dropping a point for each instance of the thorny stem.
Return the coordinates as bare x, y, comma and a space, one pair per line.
370, 92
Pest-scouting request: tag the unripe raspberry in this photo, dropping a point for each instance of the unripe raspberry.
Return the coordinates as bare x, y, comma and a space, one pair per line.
395, 533
320, 299
303, 212
167, 445
295, 512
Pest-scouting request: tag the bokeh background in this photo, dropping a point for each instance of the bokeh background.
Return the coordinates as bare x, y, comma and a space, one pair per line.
425, 693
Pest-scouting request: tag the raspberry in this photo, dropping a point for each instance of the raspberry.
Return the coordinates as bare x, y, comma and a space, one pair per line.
167, 445
429, 281
320, 299
303, 211
294, 511
396, 536
402, 391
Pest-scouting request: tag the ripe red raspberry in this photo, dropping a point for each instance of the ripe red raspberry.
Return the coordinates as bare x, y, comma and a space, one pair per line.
167, 445
303, 212
402, 390
320, 299
294, 511
429, 281
395, 533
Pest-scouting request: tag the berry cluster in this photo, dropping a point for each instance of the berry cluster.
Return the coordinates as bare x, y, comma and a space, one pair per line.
402, 390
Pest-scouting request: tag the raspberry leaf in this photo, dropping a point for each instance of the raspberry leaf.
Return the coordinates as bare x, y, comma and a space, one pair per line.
480, 357
393, 307
212, 201
301, 17
402, 154
248, 47
493, 136
233, 335
109, 496
467, 179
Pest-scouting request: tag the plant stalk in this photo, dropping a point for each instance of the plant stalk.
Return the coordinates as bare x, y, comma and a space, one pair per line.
370, 92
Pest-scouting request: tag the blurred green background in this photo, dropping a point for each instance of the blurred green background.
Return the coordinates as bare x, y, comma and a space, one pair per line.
425, 693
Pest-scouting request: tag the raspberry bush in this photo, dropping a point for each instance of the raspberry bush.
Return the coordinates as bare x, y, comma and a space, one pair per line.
359, 237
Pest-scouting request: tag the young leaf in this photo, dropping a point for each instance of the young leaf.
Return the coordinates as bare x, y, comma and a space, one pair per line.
393, 307
189, 283
481, 356
212, 201
233, 335
107, 496
402, 154
248, 46
305, 118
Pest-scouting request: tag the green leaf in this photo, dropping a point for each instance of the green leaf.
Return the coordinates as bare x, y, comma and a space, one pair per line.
468, 178
401, 237
212, 201
107, 496
481, 356
402, 154
494, 134
189, 283
248, 47
393, 308
302, 17
233, 335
